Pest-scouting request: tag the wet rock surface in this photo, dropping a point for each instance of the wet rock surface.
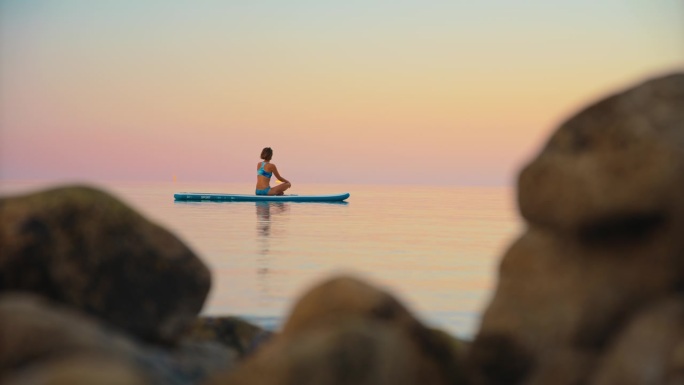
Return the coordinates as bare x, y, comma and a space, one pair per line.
83, 247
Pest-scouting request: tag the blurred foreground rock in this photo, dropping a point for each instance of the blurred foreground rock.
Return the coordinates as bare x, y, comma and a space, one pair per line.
84, 248
78, 370
345, 331
649, 349
45, 342
232, 332
589, 294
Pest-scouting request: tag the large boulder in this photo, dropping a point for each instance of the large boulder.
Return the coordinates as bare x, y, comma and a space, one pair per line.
614, 168
337, 298
342, 299
83, 247
345, 331
35, 330
558, 306
604, 204
356, 352
649, 350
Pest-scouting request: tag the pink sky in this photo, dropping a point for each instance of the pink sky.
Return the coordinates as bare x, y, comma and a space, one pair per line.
407, 93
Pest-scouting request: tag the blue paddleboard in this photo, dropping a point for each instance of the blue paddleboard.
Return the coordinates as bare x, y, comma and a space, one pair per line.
188, 196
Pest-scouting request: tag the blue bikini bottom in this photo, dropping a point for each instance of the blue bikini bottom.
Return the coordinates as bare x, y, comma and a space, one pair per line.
263, 192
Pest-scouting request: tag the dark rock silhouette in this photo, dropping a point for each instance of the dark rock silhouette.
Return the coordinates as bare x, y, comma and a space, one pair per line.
83, 247
649, 350
78, 370
232, 332
605, 212
345, 331
42, 338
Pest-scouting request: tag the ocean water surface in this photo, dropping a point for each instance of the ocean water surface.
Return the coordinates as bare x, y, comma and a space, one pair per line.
435, 248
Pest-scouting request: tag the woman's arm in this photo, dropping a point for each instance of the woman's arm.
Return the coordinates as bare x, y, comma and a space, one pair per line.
277, 174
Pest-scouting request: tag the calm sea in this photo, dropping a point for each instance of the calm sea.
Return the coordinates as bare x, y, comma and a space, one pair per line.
436, 248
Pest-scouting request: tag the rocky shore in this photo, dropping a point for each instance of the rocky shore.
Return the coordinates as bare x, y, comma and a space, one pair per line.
591, 292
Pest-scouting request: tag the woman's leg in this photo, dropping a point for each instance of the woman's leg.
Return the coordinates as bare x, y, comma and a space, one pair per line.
279, 189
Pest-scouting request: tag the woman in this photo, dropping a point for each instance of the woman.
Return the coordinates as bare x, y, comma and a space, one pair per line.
264, 172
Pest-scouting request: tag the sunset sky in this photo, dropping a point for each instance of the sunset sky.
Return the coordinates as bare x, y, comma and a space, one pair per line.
406, 92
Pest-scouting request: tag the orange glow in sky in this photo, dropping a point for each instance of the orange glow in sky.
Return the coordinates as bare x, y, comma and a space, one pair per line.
410, 92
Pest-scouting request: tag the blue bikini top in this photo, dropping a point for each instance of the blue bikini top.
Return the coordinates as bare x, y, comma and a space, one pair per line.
263, 172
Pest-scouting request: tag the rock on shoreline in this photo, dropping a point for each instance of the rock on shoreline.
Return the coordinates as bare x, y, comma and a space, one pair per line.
604, 204
40, 338
83, 247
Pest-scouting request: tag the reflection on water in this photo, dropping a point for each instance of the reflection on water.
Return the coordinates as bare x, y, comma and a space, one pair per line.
267, 213
264, 210
436, 249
